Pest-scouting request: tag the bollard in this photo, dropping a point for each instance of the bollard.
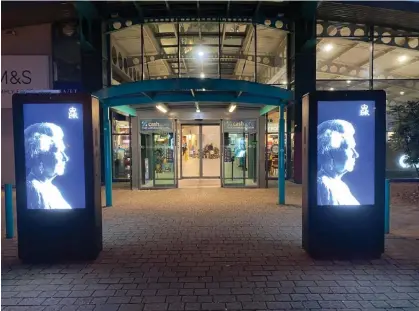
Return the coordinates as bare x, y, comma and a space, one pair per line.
8, 198
387, 207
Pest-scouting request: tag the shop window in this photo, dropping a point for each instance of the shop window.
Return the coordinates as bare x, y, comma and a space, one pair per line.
396, 58
121, 146
343, 59
272, 145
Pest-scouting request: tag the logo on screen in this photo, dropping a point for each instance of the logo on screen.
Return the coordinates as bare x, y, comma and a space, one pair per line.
364, 111
72, 113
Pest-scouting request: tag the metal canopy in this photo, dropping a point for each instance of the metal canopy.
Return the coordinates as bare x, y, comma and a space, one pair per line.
193, 90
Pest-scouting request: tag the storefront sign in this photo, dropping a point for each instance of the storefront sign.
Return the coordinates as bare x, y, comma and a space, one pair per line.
240, 126
160, 125
20, 73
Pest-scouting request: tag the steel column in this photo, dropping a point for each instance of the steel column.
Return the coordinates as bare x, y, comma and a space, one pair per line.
256, 54
281, 171
107, 155
142, 52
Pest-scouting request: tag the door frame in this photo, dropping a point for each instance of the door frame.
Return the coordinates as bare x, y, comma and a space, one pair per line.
200, 124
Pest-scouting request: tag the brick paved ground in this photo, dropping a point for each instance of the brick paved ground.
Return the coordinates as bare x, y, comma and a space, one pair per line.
214, 249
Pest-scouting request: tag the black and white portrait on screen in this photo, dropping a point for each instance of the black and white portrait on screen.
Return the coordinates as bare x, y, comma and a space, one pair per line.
336, 156
46, 159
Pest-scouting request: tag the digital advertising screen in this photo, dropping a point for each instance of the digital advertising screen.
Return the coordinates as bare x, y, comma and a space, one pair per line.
54, 156
345, 153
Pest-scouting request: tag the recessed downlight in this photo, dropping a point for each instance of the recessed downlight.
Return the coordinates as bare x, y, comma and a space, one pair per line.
328, 47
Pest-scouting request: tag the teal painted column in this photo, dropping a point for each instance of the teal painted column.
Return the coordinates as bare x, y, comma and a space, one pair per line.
281, 171
107, 150
8, 198
387, 207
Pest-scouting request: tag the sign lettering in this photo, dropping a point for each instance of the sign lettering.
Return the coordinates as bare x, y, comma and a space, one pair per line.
16, 77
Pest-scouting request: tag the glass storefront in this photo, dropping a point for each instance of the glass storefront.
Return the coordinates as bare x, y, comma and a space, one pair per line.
227, 50
121, 147
157, 154
240, 153
272, 145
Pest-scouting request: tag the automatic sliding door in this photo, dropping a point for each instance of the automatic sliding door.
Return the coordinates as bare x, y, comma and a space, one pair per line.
210, 160
191, 151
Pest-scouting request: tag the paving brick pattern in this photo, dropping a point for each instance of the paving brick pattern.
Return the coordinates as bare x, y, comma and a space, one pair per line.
210, 249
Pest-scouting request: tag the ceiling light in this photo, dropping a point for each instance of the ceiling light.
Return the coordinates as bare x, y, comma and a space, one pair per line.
328, 47
68, 30
348, 81
201, 54
202, 75
401, 93
203, 90
331, 89
232, 108
117, 25
162, 108
402, 58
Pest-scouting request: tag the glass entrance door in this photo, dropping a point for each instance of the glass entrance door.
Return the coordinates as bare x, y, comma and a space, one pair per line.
191, 145
234, 162
210, 160
240, 154
200, 152
157, 154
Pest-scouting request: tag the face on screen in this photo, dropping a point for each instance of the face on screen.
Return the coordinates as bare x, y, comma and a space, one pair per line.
345, 154
49, 148
48, 134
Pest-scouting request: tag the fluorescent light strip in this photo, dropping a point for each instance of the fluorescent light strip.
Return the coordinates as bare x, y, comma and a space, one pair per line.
161, 108
232, 108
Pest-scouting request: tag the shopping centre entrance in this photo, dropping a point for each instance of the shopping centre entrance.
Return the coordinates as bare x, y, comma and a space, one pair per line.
227, 151
195, 128
200, 151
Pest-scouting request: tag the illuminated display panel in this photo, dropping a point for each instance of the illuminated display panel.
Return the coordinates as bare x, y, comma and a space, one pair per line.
54, 156
345, 153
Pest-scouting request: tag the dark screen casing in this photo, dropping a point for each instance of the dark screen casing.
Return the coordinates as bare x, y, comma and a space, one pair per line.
336, 231
55, 235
